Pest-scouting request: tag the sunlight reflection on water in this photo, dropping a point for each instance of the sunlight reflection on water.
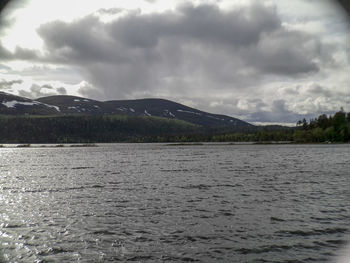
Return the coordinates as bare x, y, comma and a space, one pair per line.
152, 202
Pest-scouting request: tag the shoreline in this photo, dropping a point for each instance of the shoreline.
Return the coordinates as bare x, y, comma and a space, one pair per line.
78, 145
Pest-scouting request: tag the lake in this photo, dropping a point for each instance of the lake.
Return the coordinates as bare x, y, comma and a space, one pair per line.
163, 203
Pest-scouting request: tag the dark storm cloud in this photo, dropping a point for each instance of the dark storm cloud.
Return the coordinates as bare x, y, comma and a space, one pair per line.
287, 53
5, 20
194, 48
278, 113
37, 91
81, 41
7, 7
25, 54
18, 54
91, 39
87, 90
4, 53
317, 89
205, 24
61, 91
6, 85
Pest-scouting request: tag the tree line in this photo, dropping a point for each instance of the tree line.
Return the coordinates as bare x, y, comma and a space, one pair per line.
86, 129
118, 128
325, 128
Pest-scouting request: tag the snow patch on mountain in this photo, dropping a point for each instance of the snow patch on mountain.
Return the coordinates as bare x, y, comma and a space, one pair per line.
191, 112
213, 117
51, 106
14, 103
168, 113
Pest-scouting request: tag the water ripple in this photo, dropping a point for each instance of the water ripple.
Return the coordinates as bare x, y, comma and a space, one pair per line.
157, 203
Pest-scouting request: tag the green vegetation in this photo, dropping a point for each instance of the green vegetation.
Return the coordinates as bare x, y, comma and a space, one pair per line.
324, 129
87, 130
320, 130
258, 136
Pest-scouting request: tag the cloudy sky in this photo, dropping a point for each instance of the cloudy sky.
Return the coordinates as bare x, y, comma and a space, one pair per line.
261, 61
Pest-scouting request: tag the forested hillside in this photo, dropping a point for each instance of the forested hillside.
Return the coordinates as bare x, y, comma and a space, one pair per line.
68, 129
333, 128
123, 128
325, 128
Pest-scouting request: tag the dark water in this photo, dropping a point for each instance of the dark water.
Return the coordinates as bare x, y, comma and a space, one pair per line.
158, 203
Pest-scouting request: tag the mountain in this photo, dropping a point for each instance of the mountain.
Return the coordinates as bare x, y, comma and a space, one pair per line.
16, 105
73, 105
141, 107
172, 110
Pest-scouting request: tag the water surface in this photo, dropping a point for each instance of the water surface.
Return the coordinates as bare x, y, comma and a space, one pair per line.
160, 203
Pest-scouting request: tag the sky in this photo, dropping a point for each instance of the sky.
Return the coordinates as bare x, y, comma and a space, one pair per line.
264, 61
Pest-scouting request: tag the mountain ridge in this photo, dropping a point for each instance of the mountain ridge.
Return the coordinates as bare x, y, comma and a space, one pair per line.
75, 105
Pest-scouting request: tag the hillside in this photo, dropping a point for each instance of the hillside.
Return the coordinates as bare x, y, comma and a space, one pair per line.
172, 110
16, 105
89, 128
73, 105
141, 107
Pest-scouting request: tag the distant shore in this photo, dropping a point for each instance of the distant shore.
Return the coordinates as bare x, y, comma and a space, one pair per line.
78, 145
42, 145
